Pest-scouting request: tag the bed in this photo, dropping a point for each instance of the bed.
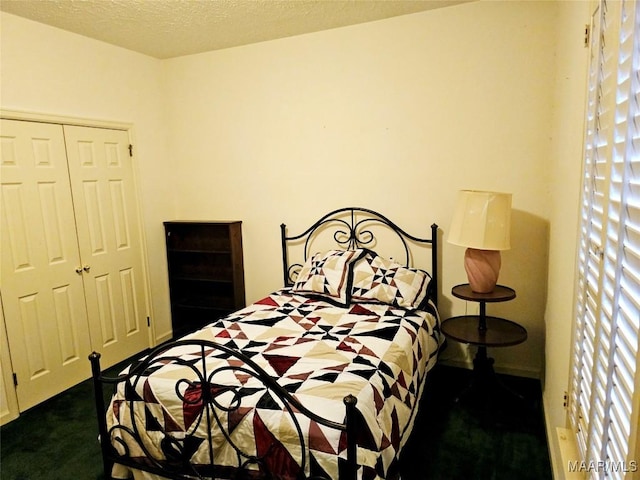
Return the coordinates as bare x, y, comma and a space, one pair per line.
320, 379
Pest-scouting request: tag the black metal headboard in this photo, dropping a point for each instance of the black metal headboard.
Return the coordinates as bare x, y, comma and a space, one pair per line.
353, 227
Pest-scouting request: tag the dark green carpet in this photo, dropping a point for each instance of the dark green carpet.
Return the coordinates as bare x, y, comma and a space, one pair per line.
57, 440
467, 440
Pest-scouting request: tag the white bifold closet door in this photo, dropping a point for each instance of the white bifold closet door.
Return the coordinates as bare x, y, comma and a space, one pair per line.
72, 257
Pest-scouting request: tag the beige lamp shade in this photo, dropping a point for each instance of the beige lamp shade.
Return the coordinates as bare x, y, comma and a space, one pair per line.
482, 220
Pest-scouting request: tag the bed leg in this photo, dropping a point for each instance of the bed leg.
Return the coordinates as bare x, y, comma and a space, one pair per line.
352, 453
94, 358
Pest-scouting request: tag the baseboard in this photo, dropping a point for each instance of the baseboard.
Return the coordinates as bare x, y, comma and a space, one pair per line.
502, 369
167, 336
7, 417
555, 456
568, 457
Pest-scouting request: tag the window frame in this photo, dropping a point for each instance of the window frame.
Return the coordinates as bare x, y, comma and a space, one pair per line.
604, 387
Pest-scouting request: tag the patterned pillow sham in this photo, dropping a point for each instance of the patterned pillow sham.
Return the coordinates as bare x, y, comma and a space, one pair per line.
377, 279
328, 275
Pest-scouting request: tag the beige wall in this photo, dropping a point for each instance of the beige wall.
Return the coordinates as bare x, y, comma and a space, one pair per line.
565, 182
395, 115
50, 71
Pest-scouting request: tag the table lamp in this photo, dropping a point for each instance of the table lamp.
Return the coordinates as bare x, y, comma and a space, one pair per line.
482, 223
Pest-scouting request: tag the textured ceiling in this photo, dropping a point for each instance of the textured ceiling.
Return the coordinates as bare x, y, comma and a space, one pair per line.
171, 28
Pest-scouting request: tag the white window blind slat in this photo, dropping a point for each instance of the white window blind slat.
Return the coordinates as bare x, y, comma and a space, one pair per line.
607, 322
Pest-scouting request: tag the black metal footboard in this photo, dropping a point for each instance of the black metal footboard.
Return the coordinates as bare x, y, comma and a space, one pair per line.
202, 389
187, 452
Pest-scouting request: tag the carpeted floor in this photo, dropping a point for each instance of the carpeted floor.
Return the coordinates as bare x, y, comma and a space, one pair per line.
57, 440
503, 438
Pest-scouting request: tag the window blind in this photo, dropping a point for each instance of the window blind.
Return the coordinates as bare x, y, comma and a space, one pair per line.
604, 375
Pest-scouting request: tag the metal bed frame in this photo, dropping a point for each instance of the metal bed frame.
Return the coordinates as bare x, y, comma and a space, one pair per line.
352, 227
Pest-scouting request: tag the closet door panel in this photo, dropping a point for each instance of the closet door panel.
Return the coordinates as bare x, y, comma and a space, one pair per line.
9, 409
42, 291
102, 183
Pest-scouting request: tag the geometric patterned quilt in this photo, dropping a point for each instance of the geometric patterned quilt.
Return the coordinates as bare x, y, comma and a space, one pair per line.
319, 353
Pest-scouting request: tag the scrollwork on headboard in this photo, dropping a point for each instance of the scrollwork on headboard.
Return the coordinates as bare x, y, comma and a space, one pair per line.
350, 228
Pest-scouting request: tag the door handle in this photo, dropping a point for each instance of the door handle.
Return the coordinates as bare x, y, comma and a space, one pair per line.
86, 268
79, 270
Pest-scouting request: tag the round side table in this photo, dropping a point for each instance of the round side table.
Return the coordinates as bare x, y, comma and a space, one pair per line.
484, 331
